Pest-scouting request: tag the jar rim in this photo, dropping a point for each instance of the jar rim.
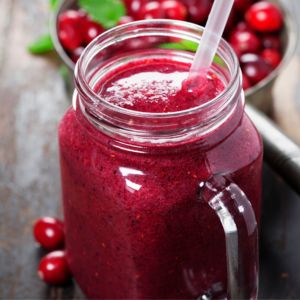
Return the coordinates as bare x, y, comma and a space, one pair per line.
83, 85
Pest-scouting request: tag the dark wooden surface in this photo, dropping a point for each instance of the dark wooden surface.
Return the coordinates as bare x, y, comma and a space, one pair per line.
32, 100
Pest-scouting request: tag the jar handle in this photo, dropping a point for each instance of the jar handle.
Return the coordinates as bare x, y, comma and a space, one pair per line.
237, 217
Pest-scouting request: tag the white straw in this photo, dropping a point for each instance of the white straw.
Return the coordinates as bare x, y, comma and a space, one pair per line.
211, 36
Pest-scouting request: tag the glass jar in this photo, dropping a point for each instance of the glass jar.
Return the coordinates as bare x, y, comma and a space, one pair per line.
156, 204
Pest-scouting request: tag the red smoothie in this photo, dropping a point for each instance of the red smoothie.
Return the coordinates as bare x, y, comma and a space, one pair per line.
158, 86
136, 227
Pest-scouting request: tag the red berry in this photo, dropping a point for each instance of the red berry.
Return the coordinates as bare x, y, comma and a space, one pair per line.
271, 56
76, 53
91, 30
198, 10
125, 20
242, 5
49, 233
246, 83
174, 9
54, 269
244, 41
264, 16
70, 29
133, 7
151, 10
271, 41
254, 67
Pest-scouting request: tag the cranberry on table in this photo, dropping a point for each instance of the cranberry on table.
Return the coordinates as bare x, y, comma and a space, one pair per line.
198, 10
264, 16
174, 9
271, 56
255, 67
91, 29
54, 269
244, 41
49, 233
70, 29
151, 10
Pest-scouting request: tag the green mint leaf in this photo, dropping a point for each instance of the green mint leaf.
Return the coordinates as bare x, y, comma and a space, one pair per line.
188, 46
42, 45
219, 61
53, 4
183, 45
174, 46
105, 12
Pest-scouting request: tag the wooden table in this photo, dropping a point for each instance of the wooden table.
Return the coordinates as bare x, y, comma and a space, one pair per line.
32, 100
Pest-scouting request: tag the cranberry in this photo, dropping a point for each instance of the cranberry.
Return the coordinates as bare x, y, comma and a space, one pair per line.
242, 5
244, 41
271, 56
54, 269
246, 83
271, 41
133, 7
264, 16
70, 29
198, 10
254, 67
174, 9
125, 20
91, 30
75, 54
128, 4
151, 10
49, 232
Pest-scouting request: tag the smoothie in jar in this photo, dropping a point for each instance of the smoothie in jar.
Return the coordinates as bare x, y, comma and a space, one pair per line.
131, 164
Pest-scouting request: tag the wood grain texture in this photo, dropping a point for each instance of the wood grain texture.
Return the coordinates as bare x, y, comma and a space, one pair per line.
32, 100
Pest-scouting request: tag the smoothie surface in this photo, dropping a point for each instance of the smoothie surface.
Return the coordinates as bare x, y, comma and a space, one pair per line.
159, 86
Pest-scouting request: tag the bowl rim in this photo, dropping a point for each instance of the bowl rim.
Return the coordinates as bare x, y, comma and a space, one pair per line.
290, 24
54, 34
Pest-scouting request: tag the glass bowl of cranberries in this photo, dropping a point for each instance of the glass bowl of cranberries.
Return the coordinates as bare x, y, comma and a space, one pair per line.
263, 33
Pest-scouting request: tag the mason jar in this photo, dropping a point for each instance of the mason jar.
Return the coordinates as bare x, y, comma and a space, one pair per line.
160, 204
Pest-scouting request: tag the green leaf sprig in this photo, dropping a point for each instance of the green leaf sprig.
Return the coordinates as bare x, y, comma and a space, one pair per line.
188, 46
53, 4
182, 45
41, 45
105, 12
